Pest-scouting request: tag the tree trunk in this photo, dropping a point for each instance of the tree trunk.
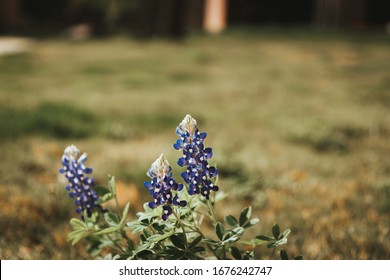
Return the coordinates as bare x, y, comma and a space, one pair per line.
215, 15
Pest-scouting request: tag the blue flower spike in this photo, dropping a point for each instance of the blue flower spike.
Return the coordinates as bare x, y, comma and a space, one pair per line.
195, 157
80, 185
163, 187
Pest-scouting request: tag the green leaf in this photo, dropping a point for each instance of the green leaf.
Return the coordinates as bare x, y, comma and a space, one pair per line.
272, 245
76, 236
219, 230
178, 240
145, 254
107, 230
77, 239
285, 233
104, 198
245, 215
276, 231
72, 235
198, 249
281, 241
298, 258
249, 255
123, 256
158, 237
231, 221
210, 241
235, 253
265, 238
252, 223
159, 228
220, 195
124, 214
130, 245
283, 255
112, 186
238, 230
101, 191
195, 242
254, 242
77, 224
111, 219
177, 256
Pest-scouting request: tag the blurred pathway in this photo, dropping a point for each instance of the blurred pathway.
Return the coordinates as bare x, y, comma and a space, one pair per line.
12, 45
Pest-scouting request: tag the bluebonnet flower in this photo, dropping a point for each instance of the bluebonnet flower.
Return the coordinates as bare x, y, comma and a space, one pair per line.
80, 185
195, 156
162, 185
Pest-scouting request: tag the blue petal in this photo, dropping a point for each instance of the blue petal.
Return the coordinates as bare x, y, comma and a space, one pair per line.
152, 205
175, 200
208, 151
88, 170
147, 184
203, 135
179, 187
178, 145
181, 162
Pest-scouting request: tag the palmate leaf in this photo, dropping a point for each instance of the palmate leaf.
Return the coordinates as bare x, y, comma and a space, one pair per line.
77, 235
231, 221
276, 231
111, 219
283, 255
245, 215
101, 191
265, 238
158, 237
107, 230
195, 242
219, 230
235, 253
179, 240
77, 224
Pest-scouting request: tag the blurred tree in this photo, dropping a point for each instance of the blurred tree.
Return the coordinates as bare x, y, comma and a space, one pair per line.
10, 14
104, 16
215, 15
340, 12
162, 18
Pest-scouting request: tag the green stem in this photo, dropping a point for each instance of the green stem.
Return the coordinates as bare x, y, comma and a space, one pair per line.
197, 229
181, 226
223, 252
116, 245
117, 205
212, 213
272, 254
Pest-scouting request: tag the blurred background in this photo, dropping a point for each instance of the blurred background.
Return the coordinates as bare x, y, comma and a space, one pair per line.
294, 96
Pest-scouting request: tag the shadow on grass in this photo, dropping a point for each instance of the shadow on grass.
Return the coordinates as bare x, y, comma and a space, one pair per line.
49, 119
63, 121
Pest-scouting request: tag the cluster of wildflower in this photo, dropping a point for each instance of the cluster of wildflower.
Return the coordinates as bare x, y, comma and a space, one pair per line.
162, 185
80, 186
195, 156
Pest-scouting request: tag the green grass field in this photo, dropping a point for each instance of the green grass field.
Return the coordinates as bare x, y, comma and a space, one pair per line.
299, 123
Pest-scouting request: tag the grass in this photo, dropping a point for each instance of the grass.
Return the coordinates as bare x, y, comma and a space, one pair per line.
298, 121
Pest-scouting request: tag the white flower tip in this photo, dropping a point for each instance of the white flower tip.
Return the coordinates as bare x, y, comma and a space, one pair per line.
160, 167
71, 152
188, 124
